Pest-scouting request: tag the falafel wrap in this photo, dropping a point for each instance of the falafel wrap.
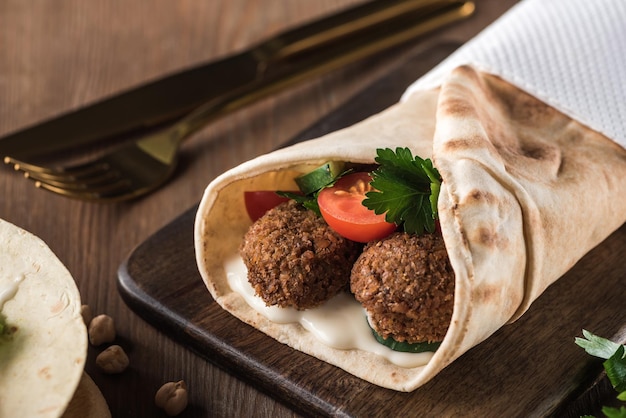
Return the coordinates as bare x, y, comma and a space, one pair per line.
526, 190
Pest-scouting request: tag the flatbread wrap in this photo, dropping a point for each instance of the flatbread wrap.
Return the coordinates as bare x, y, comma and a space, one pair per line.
43, 341
526, 191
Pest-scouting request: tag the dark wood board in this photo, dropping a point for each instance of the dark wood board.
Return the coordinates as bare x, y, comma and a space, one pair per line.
529, 368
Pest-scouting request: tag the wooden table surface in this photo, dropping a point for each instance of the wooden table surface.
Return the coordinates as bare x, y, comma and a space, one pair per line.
59, 55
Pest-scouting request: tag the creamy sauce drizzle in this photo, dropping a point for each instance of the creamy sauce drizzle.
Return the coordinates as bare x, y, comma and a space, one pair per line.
339, 323
9, 290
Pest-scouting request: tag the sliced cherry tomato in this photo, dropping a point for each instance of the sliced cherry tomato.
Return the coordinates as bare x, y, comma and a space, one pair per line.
342, 209
259, 202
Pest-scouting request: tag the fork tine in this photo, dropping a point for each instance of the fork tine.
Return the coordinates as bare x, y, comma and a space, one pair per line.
99, 184
85, 171
91, 179
109, 193
129, 172
97, 177
87, 182
79, 188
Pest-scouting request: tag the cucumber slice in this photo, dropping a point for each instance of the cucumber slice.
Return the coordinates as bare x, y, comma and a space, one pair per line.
406, 347
319, 178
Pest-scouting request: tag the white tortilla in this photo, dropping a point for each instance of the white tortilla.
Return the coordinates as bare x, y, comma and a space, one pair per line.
526, 193
41, 364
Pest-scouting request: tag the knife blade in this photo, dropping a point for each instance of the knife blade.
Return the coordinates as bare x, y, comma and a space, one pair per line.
283, 60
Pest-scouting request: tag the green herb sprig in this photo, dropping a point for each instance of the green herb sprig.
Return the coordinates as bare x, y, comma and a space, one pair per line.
614, 365
6, 330
406, 189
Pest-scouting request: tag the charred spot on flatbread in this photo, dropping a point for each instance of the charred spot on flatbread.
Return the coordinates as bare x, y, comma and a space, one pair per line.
294, 259
406, 284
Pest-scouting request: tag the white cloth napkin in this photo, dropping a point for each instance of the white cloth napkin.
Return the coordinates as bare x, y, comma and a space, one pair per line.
571, 54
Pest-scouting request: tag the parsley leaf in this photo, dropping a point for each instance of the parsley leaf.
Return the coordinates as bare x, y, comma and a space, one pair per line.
406, 190
597, 346
614, 365
3, 325
6, 330
610, 412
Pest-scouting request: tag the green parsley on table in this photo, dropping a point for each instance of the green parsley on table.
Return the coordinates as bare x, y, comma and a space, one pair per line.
3, 325
406, 189
4, 330
614, 365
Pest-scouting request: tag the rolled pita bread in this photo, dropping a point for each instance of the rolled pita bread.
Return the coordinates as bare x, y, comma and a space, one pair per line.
43, 347
526, 192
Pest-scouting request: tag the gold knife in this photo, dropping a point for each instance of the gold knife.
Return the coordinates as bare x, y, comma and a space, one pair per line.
276, 63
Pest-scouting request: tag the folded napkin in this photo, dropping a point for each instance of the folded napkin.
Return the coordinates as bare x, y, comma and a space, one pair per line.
570, 54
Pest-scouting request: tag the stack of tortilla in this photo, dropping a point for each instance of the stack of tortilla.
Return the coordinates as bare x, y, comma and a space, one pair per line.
43, 346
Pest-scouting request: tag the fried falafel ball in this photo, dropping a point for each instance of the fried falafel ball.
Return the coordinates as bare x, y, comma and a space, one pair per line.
406, 284
295, 259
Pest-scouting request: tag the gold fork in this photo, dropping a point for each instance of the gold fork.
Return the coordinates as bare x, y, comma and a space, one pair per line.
144, 165
131, 170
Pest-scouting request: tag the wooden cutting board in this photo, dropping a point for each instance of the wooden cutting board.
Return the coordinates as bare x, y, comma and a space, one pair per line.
529, 368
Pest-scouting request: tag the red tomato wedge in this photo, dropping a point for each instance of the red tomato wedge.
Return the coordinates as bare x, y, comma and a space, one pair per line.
259, 202
343, 211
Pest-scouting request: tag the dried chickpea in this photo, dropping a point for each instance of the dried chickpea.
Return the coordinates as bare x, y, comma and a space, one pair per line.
172, 397
101, 330
112, 360
85, 312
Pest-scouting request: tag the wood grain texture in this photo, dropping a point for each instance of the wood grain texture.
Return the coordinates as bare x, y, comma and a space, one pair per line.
57, 56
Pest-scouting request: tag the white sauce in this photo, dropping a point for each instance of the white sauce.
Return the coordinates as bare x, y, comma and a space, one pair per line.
339, 323
8, 290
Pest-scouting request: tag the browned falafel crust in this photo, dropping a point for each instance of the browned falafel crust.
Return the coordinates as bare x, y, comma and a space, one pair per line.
406, 284
295, 259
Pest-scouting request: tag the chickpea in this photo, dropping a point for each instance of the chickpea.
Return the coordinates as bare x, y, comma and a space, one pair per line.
85, 312
101, 330
112, 360
172, 398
